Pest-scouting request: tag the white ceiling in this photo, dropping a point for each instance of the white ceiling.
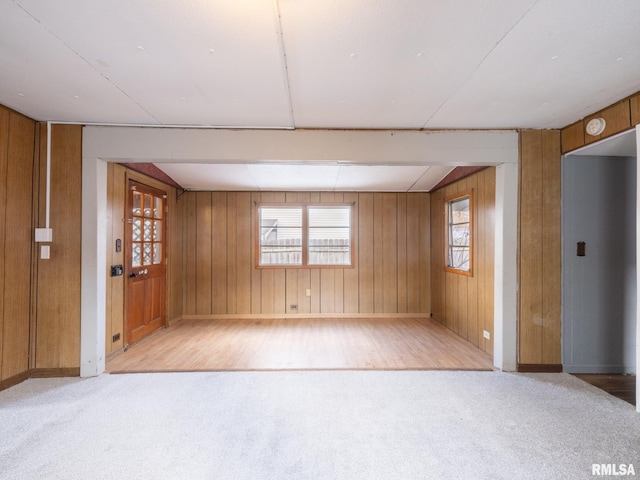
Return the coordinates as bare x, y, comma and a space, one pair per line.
379, 178
357, 64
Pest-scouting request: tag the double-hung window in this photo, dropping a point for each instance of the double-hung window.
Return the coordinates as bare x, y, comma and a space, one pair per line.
459, 233
294, 235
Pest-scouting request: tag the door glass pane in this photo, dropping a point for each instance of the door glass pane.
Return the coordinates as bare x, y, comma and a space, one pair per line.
137, 230
157, 254
157, 231
157, 208
136, 260
147, 254
147, 205
147, 230
137, 203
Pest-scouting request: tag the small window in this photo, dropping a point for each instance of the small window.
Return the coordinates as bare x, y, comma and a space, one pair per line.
280, 235
459, 234
304, 236
329, 235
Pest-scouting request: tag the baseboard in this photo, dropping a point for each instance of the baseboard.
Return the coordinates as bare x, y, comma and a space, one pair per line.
54, 372
16, 379
539, 368
601, 369
114, 354
275, 316
39, 373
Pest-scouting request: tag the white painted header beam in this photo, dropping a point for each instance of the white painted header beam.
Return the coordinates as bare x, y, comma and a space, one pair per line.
367, 147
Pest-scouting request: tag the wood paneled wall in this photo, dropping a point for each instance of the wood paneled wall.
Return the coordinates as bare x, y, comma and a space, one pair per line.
539, 247
465, 303
116, 200
17, 134
40, 298
391, 273
57, 302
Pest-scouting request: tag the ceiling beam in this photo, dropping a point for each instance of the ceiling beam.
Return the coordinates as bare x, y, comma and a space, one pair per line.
358, 147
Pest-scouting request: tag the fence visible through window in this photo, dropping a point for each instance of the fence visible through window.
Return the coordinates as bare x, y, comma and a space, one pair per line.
305, 235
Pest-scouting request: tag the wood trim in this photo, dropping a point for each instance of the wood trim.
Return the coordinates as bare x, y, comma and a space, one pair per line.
54, 372
620, 116
539, 368
456, 174
15, 380
634, 104
151, 171
572, 136
39, 373
271, 316
116, 353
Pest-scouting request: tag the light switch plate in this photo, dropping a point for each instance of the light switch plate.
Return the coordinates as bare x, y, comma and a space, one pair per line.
44, 235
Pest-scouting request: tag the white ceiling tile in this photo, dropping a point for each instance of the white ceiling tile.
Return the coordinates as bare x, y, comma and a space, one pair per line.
54, 82
192, 176
372, 64
159, 55
430, 178
294, 177
521, 83
378, 178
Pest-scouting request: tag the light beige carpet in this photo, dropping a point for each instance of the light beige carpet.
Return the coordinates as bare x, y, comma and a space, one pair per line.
314, 425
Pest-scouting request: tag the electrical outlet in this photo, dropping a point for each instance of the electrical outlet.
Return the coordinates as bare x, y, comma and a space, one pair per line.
486, 335
293, 307
116, 337
308, 292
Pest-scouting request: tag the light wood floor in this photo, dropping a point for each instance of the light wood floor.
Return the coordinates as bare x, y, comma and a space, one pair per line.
301, 344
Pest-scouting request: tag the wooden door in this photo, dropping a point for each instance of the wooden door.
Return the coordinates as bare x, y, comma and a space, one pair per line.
146, 258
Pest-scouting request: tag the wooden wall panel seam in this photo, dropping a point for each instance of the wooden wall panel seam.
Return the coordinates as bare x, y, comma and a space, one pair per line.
18, 245
4, 165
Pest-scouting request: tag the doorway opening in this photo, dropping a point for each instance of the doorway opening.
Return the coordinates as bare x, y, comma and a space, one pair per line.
599, 267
